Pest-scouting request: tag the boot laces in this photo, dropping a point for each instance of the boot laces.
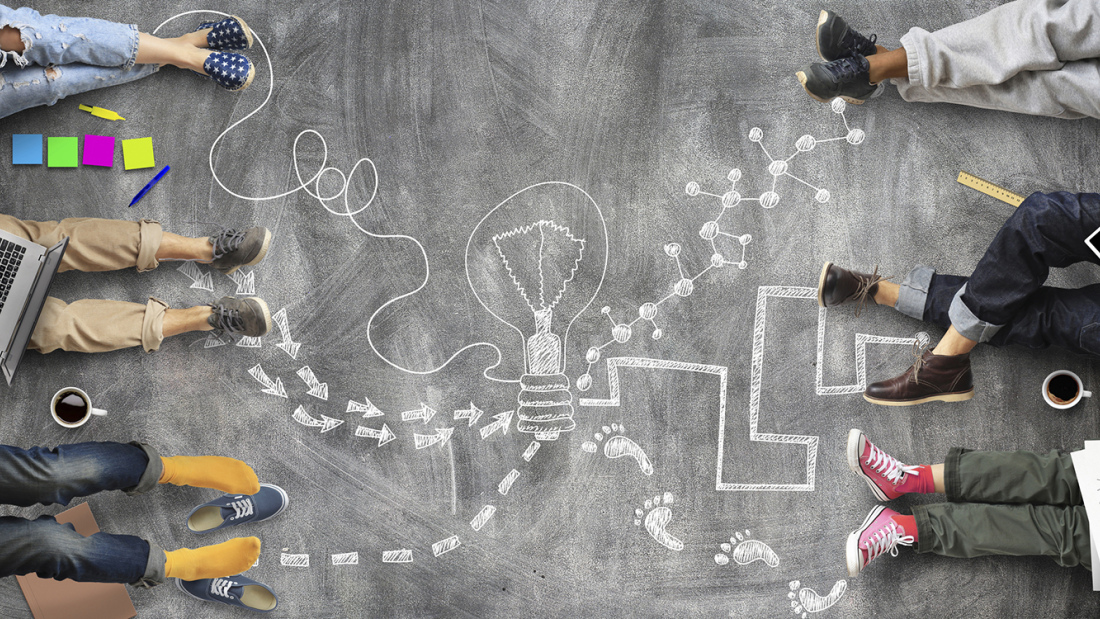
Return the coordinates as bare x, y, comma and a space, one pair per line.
886, 539
226, 241
228, 320
852, 38
918, 354
888, 466
844, 69
864, 291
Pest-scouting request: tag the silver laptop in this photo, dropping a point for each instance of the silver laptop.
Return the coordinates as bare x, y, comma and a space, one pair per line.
26, 272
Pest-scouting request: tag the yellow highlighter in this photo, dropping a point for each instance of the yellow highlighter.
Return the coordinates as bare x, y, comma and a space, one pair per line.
101, 112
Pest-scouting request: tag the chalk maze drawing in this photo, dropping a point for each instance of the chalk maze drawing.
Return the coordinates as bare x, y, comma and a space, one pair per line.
619, 446
805, 600
656, 517
745, 551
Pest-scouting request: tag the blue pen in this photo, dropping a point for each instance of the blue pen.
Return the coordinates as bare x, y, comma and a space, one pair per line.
149, 185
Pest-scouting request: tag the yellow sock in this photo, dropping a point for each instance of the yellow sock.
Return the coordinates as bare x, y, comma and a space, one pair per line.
217, 472
217, 561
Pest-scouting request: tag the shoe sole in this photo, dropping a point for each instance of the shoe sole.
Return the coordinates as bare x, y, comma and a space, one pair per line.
852, 546
801, 75
259, 255
821, 284
853, 463
267, 312
943, 397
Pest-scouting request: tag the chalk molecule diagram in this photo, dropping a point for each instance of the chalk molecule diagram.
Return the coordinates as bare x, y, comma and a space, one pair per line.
713, 232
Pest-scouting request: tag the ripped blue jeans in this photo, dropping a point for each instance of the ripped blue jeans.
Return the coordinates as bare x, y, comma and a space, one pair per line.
64, 56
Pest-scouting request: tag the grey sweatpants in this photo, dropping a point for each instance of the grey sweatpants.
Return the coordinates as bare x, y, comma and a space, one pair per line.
1038, 57
1013, 503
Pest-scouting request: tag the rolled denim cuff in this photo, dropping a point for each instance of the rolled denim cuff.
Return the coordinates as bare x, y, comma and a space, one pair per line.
966, 323
151, 477
154, 567
913, 291
924, 529
952, 484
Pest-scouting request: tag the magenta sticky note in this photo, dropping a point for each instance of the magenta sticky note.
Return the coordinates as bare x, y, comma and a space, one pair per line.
99, 150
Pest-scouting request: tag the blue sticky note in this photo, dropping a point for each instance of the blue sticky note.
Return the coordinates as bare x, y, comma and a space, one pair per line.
26, 149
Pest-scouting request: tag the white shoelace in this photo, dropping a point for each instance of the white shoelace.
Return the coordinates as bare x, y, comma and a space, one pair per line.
889, 466
886, 539
241, 509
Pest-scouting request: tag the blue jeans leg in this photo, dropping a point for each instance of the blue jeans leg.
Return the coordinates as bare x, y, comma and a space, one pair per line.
53, 550
49, 476
64, 56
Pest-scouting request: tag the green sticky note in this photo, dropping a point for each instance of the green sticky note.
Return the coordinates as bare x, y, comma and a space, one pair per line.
138, 154
62, 152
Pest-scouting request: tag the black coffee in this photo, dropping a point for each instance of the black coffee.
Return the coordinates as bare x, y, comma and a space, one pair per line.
71, 407
1063, 389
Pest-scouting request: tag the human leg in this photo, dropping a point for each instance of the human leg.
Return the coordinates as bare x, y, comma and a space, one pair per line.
53, 550
95, 244
1011, 477
56, 476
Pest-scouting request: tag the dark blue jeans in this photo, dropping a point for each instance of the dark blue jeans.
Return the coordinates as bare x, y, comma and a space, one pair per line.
1004, 300
55, 476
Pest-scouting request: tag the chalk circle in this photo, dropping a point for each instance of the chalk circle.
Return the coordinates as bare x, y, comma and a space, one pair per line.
777, 168
692, 189
593, 355
742, 265
717, 261
805, 143
822, 196
756, 134
657, 334
731, 199
745, 239
672, 249
621, 332
734, 175
855, 136
647, 311
721, 559
922, 338
709, 230
605, 310
584, 382
769, 199
684, 287
839, 105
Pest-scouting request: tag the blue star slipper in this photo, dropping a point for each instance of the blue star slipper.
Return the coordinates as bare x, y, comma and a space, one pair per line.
230, 510
238, 590
229, 33
228, 70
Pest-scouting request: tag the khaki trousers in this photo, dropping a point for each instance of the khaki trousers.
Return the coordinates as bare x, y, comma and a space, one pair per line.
92, 325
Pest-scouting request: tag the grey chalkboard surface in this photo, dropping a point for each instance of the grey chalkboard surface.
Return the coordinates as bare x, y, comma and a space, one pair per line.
537, 162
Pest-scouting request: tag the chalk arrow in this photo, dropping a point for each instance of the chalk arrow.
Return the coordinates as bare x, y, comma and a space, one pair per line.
501, 422
290, 348
365, 407
471, 414
424, 413
288, 345
441, 436
317, 389
384, 435
326, 423
246, 283
274, 387
205, 282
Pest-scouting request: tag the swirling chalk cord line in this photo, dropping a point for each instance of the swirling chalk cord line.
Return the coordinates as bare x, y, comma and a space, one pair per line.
313, 188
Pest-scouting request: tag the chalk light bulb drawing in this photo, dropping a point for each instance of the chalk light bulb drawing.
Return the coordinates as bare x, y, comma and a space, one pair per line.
536, 262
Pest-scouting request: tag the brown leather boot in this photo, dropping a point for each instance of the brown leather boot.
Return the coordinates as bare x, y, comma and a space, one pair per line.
838, 286
946, 378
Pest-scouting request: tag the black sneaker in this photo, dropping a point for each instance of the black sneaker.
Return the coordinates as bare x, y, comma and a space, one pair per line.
836, 39
234, 249
847, 78
248, 317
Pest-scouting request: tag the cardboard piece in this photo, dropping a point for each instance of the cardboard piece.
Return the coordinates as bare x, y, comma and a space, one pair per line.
26, 149
62, 152
138, 153
99, 150
65, 599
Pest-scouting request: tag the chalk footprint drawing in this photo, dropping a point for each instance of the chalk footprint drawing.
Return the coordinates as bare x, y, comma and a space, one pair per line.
806, 600
619, 446
745, 551
656, 517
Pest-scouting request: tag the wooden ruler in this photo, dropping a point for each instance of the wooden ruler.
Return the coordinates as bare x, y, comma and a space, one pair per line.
990, 189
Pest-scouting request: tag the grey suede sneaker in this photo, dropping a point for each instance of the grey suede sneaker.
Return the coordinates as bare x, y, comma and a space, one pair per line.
248, 317
234, 249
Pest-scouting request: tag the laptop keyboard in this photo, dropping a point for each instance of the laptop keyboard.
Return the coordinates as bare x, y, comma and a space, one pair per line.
11, 256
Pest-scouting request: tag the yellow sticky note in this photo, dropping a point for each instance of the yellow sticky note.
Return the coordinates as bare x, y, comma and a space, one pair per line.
138, 154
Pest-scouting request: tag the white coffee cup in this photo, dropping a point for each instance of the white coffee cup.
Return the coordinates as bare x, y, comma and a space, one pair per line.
71, 407
1063, 398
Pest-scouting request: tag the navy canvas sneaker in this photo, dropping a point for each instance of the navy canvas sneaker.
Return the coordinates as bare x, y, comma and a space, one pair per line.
239, 591
233, 509
229, 70
229, 33
836, 39
847, 78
